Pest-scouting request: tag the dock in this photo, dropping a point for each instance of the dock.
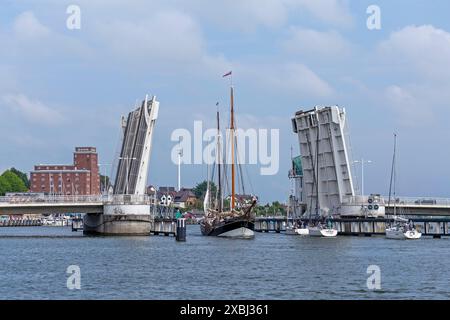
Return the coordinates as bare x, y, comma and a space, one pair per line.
163, 226
21, 223
428, 226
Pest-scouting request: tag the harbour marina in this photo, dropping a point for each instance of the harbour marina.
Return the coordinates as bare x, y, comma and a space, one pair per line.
432, 227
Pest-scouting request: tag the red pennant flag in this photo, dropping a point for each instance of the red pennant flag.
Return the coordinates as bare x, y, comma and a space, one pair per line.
227, 74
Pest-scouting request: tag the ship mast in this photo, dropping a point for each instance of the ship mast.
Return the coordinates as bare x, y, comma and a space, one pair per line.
232, 149
219, 160
232, 134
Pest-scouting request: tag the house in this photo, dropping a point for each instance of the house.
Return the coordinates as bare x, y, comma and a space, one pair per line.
185, 198
167, 196
242, 199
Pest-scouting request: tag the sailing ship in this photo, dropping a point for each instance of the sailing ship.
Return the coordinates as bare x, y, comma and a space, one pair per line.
237, 221
401, 228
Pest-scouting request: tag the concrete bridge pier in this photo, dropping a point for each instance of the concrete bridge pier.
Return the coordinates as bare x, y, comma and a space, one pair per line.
119, 220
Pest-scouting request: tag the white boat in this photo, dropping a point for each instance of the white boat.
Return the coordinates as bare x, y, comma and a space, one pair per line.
48, 221
402, 228
399, 232
322, 231
241, 233
292, 230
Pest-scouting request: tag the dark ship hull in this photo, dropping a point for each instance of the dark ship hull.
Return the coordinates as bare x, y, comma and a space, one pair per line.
231, 228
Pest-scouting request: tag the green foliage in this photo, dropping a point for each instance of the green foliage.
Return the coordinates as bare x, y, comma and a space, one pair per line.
4, 186
198, 205
22, 175
274, 209
200, 189
10, 182
104, 181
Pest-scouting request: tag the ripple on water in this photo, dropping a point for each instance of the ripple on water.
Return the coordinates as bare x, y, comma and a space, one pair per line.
33, 265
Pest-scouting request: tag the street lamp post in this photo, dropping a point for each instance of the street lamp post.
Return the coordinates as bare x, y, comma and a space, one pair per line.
127, 159
362, 162
180, 154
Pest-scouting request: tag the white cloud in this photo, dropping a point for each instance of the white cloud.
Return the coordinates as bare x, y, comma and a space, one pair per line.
335, 12
27, 140
26, 25
242, 15
29, 39
290, 78
313, 43
248, 15
168, 40
420, 57
424, 49
409, 108
32, 110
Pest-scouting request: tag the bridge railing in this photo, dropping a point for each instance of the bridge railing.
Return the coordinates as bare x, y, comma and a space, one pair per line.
128, 199
52, 199
100, 199
363, 200
418, 201
401, 201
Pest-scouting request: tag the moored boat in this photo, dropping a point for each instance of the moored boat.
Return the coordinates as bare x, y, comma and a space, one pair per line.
321, 230
402, 229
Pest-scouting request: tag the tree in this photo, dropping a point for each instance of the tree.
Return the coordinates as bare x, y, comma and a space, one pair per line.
104, 181
23, 176
13, 183
200, 189
274, 209
4, 186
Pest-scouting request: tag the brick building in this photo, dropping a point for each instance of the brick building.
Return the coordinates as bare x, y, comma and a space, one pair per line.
80, 178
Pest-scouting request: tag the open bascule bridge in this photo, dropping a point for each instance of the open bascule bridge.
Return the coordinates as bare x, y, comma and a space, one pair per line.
127, 210
324, 184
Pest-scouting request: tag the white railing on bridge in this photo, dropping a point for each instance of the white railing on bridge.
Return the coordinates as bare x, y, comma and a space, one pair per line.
418, 201
400, 201
100, 199
128, 199
52, 199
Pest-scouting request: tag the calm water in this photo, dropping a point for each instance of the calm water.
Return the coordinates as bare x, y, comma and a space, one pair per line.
33, 263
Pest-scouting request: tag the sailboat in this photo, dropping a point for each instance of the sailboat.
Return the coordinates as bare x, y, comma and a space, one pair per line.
321, 229
401, 229
238, 220
296, 228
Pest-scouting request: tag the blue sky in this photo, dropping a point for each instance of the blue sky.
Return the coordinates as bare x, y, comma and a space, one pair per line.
62, 88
